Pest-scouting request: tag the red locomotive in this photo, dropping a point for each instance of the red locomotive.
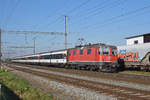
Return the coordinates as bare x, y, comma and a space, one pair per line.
95, 57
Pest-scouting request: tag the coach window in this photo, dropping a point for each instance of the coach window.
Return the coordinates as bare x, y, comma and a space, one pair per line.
29, 58
50, 56
47, 57
56, 56
89, 51
74, 52
81, 52
63, 56
42, 57
149, 58
53, 56
34, 57
59, 56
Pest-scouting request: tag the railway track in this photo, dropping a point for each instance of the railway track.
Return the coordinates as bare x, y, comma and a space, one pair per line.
120, 92
115, 76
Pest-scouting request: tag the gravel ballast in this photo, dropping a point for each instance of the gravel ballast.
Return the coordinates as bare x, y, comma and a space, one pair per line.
67, 91
106, 81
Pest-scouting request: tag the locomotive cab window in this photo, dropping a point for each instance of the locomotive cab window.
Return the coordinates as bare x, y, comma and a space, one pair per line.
113, 51
89, 51
105, 51
81, 52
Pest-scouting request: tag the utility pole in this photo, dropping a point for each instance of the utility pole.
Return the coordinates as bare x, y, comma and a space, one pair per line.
0, 46
66, 32
34, 45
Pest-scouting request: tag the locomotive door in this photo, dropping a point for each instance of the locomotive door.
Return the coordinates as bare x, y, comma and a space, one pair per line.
100, 54
105, 54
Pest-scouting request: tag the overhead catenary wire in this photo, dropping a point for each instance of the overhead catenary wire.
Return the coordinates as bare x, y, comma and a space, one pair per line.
8, 18
119, 16
58, 10
32, 32
3, 13
120, 20
98, 7
98, 11
77, 7
68, 12
58, 19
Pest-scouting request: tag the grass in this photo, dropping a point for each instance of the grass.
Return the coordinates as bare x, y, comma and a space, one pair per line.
21, 87
137, 72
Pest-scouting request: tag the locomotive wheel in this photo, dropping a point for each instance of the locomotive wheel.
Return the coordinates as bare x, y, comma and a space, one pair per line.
88, 68
92, 68
79, 68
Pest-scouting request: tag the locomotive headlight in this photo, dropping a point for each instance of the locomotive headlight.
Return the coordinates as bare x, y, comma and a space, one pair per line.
110, 57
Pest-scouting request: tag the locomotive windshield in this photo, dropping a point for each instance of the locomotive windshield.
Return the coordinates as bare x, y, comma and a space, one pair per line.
114, 51
104, 51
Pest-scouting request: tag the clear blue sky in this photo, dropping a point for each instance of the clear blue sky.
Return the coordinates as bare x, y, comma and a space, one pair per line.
105, 21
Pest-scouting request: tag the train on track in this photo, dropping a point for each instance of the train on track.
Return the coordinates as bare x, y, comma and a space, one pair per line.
97, 57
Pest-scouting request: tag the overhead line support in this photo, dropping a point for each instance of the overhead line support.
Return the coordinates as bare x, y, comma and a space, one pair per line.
66, 33
0, 46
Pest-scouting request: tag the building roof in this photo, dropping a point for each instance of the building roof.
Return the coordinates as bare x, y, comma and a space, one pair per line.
137, 36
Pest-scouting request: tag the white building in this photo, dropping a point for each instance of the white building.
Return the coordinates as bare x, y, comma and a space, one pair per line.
138, 39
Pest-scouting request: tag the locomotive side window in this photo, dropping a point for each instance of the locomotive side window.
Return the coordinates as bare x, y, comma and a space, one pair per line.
105, 51
89, 51
81, 52
100, 50
74, 52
